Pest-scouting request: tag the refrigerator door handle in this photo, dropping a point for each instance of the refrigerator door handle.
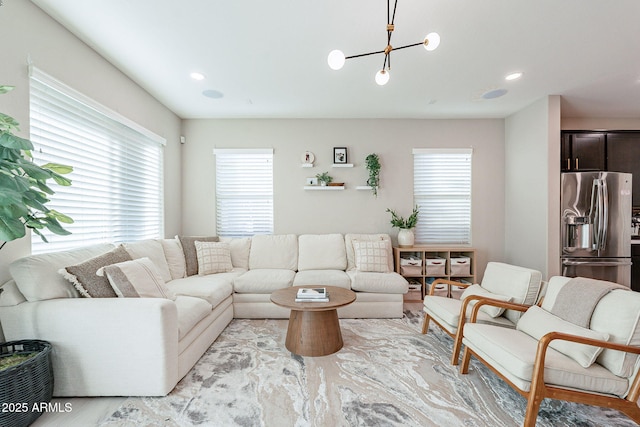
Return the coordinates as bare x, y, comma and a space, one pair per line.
605, 212
595, 263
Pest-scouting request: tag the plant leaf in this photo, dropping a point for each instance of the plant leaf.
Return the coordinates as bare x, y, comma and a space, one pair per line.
10, 140
58, 168
11, 229
6, 88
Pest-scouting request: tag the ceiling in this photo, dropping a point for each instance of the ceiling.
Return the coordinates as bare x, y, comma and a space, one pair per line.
268, 59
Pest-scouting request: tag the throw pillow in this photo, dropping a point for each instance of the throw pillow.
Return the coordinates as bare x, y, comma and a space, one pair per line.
372, 255
84, 277
213, 257
189, 249
491, 310
537, 322
139, 278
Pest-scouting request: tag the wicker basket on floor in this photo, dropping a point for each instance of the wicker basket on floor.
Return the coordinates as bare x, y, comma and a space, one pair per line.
26, 384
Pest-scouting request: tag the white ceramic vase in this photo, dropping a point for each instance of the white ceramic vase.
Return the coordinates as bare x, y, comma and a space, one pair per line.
406, 238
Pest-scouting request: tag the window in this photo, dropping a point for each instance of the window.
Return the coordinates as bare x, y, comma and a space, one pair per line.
117, 189
442, 190
244, 192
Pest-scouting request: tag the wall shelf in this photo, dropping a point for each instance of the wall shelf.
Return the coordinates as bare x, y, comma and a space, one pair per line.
324, 187
365, 187
307, 165
342, 165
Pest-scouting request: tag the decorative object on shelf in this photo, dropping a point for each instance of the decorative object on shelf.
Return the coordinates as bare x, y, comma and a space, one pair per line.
340, 155
406, 237
24, 192
312, 181
337, 59
336, 184
373, 166
307, 159
324, 178
26, 380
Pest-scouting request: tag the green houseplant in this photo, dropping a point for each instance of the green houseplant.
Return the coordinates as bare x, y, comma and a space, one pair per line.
373, 167
23, 186
324, 178
406, 237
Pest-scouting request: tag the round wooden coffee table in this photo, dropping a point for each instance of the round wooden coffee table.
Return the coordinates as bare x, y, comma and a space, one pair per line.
314, 329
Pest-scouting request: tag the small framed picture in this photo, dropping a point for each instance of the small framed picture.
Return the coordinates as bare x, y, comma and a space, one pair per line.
339, 154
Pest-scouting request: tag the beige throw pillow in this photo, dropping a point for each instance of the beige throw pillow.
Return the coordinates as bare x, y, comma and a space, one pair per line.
84, 277
372, 256
491, 310
189, 249
213, 257
139, 278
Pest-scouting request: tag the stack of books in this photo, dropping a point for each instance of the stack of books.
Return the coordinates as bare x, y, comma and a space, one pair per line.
312, 295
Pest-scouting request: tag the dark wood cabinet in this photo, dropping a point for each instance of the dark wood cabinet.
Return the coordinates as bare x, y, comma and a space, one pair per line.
623, 155
583, 152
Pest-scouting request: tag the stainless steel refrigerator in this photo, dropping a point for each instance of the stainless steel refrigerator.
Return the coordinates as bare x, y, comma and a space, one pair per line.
596, 225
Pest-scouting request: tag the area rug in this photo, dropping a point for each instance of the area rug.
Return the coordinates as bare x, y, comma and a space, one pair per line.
387, 374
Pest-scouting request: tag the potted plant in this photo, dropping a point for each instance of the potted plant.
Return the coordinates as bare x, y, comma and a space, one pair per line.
23, 186
373, 166
324, 178
406, 237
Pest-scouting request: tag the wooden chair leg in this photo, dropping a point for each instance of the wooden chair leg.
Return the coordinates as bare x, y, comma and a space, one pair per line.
425, 323
466, 358
533, 406
457, 345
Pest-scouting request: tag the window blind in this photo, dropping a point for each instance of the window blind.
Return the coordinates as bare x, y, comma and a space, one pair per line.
442, 190
116, 193
244, 192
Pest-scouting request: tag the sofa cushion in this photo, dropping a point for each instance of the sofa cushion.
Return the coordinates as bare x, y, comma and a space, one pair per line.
336, 278
30, 273
537, 322
372, 256
274, 251
189, 248
191, 310
214, 288
213, 257
240, 248
85, 278
446, 311
10, 295
513, 353
478, 290
321, 252
263, 281
385, 283
174, 255
348, 243
138, 278
153, 250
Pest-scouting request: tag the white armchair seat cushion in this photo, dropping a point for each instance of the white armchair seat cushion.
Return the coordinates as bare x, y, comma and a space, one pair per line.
191, 310
336, 278
385, 283
213, 288
513, 353
278, 251
321, 252
446, 311
263, 281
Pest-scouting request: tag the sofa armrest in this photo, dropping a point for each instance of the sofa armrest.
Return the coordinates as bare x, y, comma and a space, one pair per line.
103, 346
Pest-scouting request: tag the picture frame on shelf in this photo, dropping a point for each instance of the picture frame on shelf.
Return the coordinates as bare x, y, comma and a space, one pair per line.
312, 181
340, 155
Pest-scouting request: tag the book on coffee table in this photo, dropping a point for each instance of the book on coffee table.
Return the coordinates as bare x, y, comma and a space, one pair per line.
312, 295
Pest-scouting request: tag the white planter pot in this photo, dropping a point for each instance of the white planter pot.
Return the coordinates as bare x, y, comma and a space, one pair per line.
405, 238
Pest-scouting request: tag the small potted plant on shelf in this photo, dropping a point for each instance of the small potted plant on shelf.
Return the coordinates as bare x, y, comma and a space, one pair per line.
373, 166
324, 178
406, 237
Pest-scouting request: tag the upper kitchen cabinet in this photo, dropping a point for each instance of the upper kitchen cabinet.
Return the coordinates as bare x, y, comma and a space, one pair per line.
583, 152
623, 155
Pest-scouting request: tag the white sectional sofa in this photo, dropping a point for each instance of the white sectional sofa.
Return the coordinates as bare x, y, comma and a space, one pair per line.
144, 346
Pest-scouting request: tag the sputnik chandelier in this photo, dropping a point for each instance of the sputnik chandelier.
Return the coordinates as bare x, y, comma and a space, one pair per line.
337, 59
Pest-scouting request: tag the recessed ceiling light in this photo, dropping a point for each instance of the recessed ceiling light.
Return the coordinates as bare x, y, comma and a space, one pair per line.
211, 93
513, 76
197, 76
494, 93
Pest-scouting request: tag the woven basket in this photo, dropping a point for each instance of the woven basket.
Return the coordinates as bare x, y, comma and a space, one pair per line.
26, 384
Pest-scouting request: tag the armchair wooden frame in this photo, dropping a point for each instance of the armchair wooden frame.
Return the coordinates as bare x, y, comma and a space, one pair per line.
539, 390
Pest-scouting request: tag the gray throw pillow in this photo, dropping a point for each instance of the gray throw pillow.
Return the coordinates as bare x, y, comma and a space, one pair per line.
84, 277
189, 248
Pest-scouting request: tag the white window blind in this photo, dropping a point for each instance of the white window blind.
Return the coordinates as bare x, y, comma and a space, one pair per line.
442, 190
116, 193
244, 192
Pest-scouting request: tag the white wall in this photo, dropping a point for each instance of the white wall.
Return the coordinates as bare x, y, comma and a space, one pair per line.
532, 176
25, 32
298, 211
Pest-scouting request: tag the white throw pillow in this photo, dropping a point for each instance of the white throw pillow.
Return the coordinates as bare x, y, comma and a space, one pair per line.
139, 278
491, 310
537, 322
372, 256
213, 257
